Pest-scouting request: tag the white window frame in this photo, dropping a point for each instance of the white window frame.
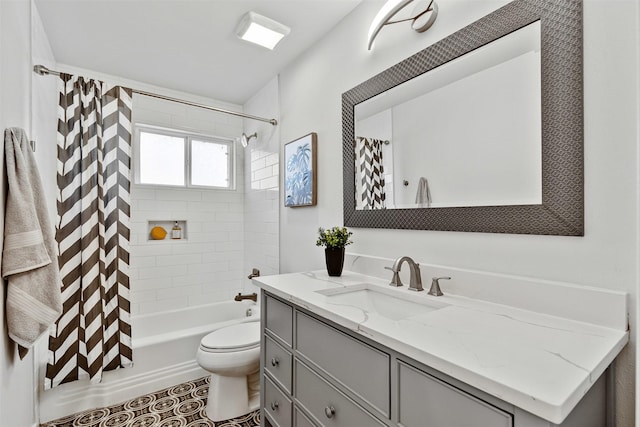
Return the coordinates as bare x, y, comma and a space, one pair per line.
188, 138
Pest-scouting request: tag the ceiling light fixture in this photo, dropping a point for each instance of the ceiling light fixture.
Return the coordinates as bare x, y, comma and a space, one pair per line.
422, 18
261, 30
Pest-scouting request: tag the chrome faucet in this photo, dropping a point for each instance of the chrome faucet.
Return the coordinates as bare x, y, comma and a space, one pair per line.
415, 280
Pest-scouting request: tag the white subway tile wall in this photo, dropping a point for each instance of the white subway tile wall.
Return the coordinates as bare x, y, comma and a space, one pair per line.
206, 267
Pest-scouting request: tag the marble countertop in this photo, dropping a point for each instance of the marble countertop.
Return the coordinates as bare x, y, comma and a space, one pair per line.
540, 363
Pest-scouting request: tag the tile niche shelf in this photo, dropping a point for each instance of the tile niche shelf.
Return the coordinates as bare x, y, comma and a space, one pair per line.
168, 226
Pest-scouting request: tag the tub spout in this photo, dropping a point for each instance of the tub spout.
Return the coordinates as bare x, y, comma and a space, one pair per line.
253, 297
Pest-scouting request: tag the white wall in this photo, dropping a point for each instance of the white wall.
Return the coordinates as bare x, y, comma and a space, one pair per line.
607, 256
44, 123
262, 197
44, 118
17, 396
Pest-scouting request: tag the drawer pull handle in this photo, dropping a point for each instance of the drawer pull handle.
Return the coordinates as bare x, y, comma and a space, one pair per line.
275, 362
274, 405
329, 411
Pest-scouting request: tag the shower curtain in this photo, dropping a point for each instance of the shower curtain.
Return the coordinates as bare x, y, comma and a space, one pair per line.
93, 333
371, 172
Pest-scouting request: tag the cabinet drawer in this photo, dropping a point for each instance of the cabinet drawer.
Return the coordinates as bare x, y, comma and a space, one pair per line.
359, 367
279, 319
424, 400
302, 420
276, 404
277, 361
326, 404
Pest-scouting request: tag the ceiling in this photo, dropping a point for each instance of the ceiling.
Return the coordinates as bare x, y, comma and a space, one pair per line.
185, 45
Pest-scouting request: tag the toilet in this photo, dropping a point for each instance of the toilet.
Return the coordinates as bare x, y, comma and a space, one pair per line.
232, 355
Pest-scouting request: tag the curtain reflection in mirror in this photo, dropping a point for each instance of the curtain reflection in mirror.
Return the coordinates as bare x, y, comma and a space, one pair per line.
371, 192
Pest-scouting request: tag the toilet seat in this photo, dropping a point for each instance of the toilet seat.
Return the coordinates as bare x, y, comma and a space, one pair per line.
243, 336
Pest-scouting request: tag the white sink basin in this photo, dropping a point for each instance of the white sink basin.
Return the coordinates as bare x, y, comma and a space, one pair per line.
390, 303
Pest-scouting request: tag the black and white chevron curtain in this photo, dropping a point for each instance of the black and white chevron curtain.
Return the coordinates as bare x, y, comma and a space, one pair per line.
93, 334
371, 172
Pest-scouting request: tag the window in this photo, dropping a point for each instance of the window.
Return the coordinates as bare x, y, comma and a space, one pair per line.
181, 159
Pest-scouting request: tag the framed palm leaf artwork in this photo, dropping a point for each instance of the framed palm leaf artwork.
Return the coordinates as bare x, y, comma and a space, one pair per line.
300, 171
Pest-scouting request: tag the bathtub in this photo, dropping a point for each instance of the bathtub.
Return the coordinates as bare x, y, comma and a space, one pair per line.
164, 354
176, 325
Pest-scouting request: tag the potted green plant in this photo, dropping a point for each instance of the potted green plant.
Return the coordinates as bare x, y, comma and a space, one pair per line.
334, 240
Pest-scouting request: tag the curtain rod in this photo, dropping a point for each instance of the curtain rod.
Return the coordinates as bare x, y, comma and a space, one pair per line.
43, 71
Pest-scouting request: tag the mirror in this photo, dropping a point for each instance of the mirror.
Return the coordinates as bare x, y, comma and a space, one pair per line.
481, 131
478, 159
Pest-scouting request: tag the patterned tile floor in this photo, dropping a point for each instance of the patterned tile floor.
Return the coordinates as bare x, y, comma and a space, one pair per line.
182, 405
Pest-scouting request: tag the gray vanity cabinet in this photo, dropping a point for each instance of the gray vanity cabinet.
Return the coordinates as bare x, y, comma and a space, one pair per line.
278, 364
278, 405
315, 373
423, 396
326, 404
356, 366
279, 320
302, 420
308, 381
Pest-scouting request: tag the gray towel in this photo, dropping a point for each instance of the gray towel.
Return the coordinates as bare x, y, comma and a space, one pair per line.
423, 195
29, 254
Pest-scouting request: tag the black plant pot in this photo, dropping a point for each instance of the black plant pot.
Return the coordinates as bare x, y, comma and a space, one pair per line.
334, 258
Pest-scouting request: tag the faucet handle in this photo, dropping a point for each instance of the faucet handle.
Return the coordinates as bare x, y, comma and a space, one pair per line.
395, 280
435, 286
